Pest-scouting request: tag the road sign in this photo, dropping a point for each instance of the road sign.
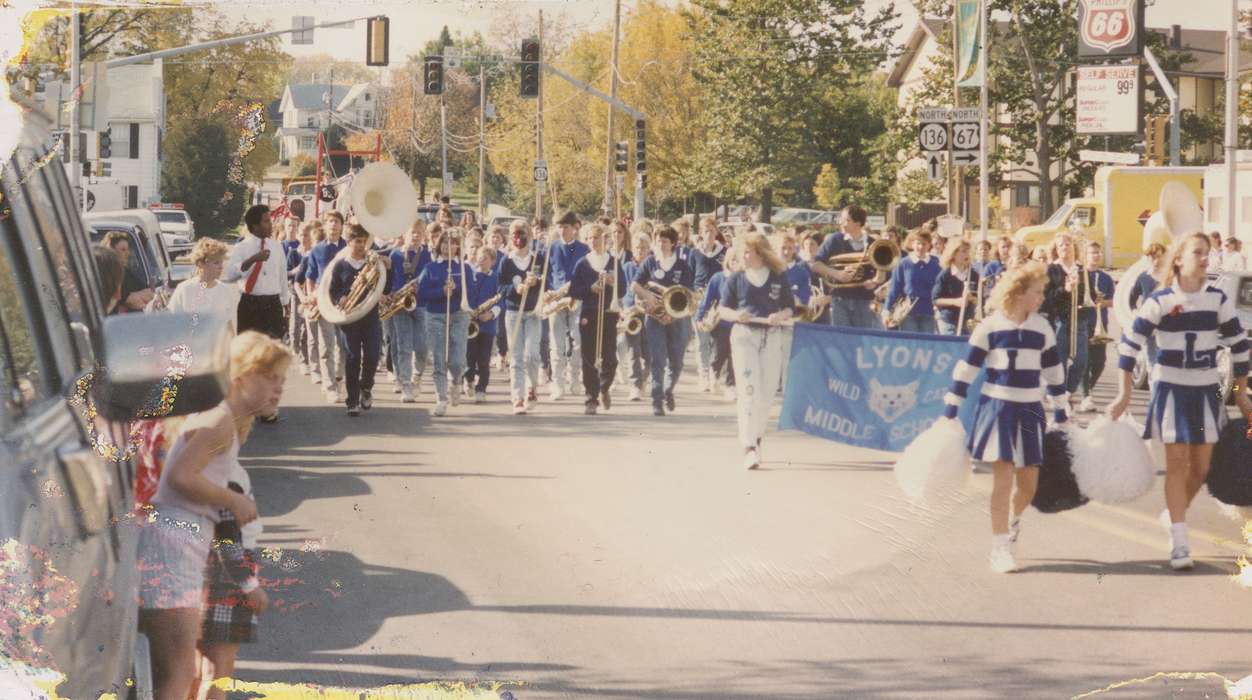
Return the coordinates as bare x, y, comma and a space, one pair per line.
876, 222
965, 136
934, 114
541, 171
934, 166
1107, 99
933, 136
1109, 157
965, 159
305, 33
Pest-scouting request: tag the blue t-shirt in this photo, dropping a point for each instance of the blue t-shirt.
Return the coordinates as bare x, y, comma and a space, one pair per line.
650, 271
774, 295
949, 286
914, 279
705, 265
839, 243
430, 283
564, 257
405, 267
798, 276
321, 255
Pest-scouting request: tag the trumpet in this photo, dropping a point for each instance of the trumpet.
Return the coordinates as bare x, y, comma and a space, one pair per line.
405, 299
882, 254
899, 312
479, 310
1100, 336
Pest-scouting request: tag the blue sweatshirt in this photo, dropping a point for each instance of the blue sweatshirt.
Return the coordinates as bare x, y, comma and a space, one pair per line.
321, 255
430, 286
914, 279
482, 287
630, 269
511, 275
341, 283
713, 296
650, 271
774, 295
840, 244
705, 265
416, 262
564, 257
585, 275
798, 276
949, 286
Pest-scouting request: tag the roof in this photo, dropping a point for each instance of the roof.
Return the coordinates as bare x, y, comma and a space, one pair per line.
312, 96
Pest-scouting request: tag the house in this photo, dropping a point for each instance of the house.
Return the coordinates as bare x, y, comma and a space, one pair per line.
1198, 83
310, 108
135, 119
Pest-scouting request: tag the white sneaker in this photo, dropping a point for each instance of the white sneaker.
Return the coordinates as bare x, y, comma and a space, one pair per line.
455, 395
636, 394
1087, 406
417, 386
340, 395
304, 369
331, 396
751, 459
406, 394
729, 394
706, 383
317, 378
1002, 561
441, 408
480, 397
556, 392
1180, 558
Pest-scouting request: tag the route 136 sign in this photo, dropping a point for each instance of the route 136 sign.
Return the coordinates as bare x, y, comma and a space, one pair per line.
1109, 28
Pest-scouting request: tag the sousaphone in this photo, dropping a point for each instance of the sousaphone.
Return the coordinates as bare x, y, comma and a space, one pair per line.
1178, 215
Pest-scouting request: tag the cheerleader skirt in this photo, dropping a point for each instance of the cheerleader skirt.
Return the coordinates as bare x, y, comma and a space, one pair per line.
1191, 415
1007, 431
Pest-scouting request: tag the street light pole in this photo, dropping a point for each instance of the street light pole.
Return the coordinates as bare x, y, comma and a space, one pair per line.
1232, 116
539, 124
76, 115
984, 180
610, 192
482, 141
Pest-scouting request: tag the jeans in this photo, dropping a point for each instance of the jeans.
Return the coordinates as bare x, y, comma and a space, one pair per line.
524, 352
296, 329
945, 328
332, 353
757, 353
845, 311
1097, 357
312, 344
666, 346
565, 344
478, 360
918, 324
545, 345
723, 365
1075, 367
408, 341
704, 344
449, 352
595, 381
362, 343
632, 355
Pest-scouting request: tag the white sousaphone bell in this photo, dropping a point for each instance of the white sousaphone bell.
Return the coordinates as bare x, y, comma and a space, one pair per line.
1177, 215
384, 203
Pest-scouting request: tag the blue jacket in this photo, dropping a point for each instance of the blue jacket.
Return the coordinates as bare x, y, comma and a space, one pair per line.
630, 269
713, 296
341, 282
483, 286
798, 276
838, 243
430, 286
585, 276
417, 260
915, 280
321, 255
949, 286
564, 257
704, 266
511, 274
650, 271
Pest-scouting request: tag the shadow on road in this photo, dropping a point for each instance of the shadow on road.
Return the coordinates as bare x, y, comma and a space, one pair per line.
1149, 567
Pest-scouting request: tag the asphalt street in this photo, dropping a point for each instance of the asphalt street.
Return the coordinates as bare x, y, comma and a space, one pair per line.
629, 556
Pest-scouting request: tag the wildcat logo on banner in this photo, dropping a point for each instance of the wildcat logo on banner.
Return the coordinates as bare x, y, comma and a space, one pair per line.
875, 389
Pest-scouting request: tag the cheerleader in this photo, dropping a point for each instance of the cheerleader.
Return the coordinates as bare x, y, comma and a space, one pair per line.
667, 340
957, 282
598, 283
441, 291
408, 328
1102, 289
520, 280
914, 278
1018, 348
632, 350
1189, 319
706, 260
758, 301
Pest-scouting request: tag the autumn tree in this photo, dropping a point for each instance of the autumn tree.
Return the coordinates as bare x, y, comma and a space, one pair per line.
322, 67
196, 173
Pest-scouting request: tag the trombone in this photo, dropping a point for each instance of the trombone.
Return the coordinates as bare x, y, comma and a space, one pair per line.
882, 254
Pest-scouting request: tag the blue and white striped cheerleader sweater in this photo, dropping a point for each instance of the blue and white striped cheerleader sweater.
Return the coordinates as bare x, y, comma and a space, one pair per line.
1019, 359
1185, 406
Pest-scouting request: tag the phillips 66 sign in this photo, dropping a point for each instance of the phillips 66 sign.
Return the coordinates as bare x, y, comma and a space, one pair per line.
1109, 28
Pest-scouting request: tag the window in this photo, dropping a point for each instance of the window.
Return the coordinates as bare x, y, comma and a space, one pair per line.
1026, 195
367, 97
132, 196
121, 140
65, 146
367, 119
1216, 210
311, 122
134, 140
307, 143
25, 379
1083, 217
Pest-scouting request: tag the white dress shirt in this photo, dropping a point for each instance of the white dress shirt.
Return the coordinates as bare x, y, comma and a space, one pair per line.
192, 297
273, 277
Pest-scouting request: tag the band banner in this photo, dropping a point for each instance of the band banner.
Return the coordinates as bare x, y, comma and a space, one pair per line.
969, 71
870, 388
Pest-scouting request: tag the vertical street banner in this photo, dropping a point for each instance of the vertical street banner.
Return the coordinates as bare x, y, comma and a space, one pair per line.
968, 38
870, 388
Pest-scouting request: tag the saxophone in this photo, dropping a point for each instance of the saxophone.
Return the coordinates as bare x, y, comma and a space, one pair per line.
405, 299
480, 309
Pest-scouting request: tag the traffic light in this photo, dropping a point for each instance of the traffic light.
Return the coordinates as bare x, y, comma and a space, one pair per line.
377, 30
530, 68
106, 143
640, 159
433, 75
623, 155
1154, 138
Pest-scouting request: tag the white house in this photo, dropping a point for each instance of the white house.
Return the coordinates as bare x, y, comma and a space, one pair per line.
135, 115
310, 108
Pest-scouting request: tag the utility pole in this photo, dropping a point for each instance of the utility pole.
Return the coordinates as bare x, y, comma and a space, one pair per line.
1232, 117
444, 190
984, 178
539, 125
610, 191
482, 140
955, 173
76, 115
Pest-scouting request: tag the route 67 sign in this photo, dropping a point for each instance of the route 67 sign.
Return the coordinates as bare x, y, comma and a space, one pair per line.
1110, 28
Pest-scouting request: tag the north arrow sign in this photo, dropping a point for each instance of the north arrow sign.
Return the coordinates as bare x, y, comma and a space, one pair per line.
934, 167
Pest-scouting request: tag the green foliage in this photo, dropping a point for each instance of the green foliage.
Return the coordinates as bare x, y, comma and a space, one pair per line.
914, 187
828, 189
302, 165
195, 172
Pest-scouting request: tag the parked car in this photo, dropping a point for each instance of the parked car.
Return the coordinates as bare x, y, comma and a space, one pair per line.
70, 550
177, 228
428, 212
143, 259
506, 221
147, 224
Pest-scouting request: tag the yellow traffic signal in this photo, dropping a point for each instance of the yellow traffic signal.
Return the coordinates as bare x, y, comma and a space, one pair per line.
376, 36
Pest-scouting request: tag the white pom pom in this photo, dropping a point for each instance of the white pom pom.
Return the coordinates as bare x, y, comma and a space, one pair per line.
935, 462
1156, 448
1112, 463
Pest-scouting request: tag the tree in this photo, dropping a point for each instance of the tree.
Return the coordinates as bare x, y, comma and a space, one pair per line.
196, 171
763, 64
914, 187
104, 33
323, 68
828, 189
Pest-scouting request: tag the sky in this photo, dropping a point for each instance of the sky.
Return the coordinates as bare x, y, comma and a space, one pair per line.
415, 23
